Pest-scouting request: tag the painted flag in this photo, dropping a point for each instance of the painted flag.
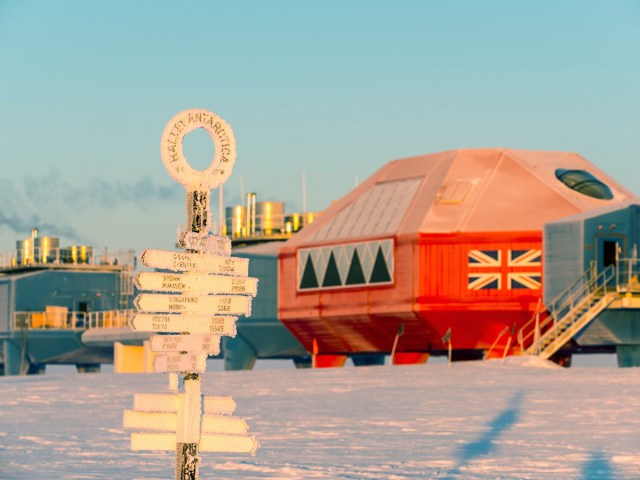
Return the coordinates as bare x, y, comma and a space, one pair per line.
509, 269
400, 331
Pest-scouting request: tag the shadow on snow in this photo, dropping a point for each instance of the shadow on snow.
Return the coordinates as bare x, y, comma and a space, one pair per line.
485, 444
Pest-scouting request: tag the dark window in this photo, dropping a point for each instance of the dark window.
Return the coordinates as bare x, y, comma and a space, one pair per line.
609, 252
585, 183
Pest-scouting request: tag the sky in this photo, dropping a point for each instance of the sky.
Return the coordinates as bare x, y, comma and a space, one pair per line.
329, 91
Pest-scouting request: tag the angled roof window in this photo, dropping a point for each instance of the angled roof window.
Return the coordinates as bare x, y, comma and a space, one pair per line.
583, 182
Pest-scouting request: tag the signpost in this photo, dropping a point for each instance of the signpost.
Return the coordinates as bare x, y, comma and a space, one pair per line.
215, 304
195, 262
195, 303
196, 282
184, 323
209, 344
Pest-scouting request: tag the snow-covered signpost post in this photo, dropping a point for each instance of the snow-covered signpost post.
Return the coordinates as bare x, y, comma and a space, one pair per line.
198, 303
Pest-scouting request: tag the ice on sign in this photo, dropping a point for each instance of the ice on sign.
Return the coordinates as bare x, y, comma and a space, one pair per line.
196, 282
182, 262
180, 362
212, 304
208, 442
168, 421
184, 323
209, 344
200, 292
168, 402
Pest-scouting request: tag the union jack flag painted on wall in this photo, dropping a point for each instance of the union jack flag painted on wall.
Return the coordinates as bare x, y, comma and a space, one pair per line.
508, 269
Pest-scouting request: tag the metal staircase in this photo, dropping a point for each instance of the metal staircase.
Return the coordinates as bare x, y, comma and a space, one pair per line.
569, 313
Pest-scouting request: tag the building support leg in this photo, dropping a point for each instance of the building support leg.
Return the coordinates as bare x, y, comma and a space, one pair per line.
238, 354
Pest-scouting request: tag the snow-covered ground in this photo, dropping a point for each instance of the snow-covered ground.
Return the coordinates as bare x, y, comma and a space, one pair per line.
481, 420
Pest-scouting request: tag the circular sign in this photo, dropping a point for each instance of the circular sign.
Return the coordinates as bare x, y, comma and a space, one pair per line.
173, 158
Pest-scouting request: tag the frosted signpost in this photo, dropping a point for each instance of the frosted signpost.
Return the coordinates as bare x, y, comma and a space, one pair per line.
190, 304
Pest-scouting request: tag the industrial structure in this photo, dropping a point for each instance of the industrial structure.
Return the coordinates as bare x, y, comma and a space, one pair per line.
259, 222
448, 250
51, 298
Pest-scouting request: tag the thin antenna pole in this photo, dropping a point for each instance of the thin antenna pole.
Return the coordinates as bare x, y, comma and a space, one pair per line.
304, 193
221, 220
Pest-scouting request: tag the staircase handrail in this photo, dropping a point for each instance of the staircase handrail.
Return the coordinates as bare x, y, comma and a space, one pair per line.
584, 286
595, 288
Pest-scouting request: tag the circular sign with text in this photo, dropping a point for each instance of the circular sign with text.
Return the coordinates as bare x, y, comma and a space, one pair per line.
173, 157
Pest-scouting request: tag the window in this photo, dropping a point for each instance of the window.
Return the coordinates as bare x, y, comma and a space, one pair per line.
583, 182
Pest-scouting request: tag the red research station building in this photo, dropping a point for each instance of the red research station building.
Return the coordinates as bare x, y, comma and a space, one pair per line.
442, 245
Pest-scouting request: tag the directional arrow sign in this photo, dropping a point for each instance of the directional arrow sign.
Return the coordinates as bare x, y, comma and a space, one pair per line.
184, 323
208, 442
196, 282
165, 421
209, 243
168, 402
176, 261
209, 344
180, 362
212, 304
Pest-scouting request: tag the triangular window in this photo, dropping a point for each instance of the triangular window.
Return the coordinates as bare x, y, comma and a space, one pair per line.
355, 275
380, 273
332, 277
309, 279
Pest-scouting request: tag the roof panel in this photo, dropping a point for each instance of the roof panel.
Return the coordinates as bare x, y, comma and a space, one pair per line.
378, 212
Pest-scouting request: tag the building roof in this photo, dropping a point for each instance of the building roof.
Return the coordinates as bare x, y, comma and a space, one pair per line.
467, 190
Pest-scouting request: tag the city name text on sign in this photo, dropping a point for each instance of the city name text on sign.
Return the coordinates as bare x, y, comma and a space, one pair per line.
180, 362
209, 344
176, 261
196, 282
173, 157
213, 304
184, 323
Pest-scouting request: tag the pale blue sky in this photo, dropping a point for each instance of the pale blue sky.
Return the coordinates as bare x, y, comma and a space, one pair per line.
334, 89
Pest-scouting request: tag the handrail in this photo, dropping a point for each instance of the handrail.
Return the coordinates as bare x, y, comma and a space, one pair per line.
566, 301
628, 275
67, 256
64, 320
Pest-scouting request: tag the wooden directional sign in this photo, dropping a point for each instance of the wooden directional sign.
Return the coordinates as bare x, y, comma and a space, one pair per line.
196, 282
168, 421
168, 402
184, 323
177, 261
180, 362
212, 304
209, 344
206, 243
208, 442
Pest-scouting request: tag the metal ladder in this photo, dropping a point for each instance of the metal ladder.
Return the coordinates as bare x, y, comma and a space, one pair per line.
569, 313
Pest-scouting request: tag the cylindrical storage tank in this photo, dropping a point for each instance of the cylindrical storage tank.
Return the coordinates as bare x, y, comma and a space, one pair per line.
236, 219
77, 254
46, 249
24, 251
269, 217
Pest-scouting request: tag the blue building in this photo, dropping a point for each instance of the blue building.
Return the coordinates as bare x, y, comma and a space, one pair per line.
591, 274
51, 296
262, 335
